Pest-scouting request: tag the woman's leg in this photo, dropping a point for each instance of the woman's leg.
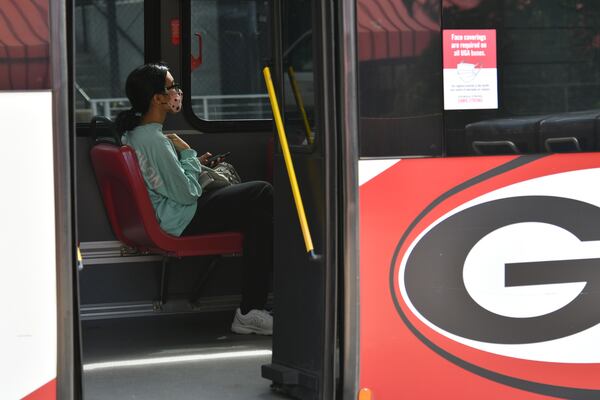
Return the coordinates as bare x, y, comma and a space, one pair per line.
247, 207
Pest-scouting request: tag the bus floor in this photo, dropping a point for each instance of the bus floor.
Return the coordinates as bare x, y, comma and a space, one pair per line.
176, 357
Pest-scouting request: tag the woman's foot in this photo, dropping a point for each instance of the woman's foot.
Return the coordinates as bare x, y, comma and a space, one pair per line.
254, 321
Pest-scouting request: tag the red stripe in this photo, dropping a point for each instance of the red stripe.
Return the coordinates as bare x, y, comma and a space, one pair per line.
46, 392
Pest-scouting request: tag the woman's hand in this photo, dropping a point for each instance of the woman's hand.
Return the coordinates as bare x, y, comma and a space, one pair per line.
204, 158
178, 142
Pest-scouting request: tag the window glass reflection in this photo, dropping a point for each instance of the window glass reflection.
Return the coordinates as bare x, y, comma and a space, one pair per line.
24, 45
399, 55
299, 94
545, 77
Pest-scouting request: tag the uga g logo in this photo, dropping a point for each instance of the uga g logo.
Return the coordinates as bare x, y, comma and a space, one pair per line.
507, 285
438, 259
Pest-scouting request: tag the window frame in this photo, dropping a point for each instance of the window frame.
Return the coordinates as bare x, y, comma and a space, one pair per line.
152, 52
208, 126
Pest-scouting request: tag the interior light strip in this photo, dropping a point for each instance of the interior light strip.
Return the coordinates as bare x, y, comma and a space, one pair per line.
175, 359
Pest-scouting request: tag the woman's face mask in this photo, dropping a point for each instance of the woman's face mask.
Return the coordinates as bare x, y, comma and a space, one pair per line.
175, 97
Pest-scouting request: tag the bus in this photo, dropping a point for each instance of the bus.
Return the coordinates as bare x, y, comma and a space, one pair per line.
445, 156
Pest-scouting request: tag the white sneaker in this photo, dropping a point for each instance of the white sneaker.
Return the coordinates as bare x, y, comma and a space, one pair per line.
255, 321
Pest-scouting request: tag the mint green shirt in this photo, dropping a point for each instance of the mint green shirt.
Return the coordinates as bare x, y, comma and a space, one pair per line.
171, 180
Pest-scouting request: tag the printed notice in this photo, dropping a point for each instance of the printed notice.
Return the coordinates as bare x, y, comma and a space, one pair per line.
470, 70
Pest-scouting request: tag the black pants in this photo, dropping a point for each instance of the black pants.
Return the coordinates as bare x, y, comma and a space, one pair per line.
245, 207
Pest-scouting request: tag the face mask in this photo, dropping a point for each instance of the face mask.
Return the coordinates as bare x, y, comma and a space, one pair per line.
175, 100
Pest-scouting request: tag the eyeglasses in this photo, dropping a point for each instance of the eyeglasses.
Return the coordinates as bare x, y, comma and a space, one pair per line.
174, 86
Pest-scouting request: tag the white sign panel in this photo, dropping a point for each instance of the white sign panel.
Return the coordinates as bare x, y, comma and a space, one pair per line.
470, 70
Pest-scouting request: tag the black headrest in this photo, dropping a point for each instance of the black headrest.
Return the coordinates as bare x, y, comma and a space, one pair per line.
103, 130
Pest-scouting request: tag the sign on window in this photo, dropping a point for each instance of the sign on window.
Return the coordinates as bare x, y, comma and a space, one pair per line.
470, 69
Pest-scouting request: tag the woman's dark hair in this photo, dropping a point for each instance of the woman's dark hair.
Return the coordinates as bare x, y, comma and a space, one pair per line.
142, 83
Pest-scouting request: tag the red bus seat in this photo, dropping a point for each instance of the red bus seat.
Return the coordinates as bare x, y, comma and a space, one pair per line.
132, 216
131, 213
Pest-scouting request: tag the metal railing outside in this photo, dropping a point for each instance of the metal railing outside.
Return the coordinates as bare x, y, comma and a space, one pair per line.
210, 108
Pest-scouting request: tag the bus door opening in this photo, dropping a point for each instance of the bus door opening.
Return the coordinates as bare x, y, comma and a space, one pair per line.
183, 346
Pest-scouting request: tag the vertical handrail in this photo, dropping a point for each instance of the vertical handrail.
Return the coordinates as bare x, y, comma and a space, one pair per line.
205, 108
289, 165
107, 110
300, 103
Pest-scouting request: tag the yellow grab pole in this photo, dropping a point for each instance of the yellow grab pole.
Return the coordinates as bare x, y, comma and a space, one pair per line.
79, 260
298, 97
288, 162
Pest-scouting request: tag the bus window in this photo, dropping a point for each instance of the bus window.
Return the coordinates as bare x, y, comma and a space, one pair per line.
230, 45
506, 77
547, 85
109, 40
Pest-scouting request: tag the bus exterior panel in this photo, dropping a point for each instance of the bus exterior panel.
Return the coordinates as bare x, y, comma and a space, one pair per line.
480, 282
36, 341
28, 338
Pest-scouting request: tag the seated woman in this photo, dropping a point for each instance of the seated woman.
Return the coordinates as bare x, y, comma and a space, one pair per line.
170, 169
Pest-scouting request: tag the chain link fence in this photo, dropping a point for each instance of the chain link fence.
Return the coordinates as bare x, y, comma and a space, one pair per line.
109, 42
235, 41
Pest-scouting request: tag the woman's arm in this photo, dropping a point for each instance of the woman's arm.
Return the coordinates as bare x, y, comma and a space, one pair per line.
179, 174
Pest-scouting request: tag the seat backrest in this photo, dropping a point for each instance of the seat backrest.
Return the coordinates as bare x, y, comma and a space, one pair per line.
103, 130
125, 195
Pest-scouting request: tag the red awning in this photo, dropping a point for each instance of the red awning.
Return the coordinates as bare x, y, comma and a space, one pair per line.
391, 29
24, 45
388, 29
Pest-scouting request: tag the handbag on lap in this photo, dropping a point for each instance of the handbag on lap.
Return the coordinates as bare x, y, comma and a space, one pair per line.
222, 175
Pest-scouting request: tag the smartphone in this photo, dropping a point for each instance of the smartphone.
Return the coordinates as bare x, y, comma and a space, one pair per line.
214, 158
